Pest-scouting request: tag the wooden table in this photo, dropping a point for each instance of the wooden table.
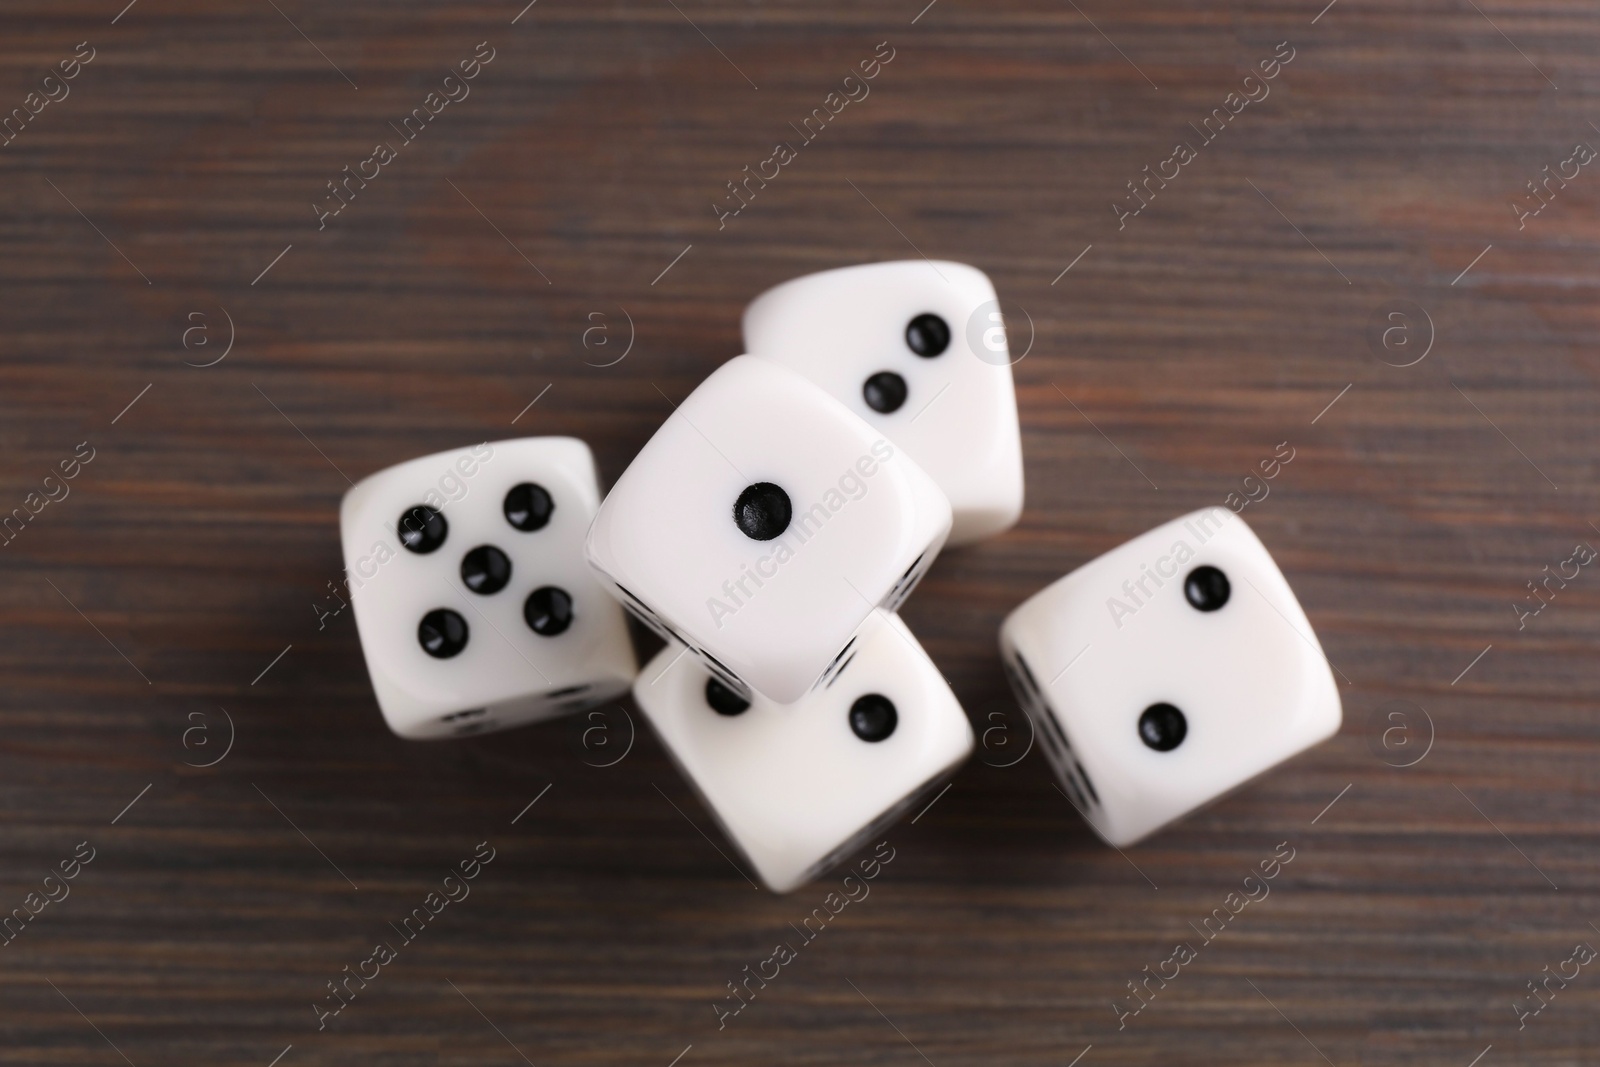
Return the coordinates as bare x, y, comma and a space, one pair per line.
174, 201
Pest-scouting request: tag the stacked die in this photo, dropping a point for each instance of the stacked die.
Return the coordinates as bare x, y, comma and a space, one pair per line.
772, 527
768, 533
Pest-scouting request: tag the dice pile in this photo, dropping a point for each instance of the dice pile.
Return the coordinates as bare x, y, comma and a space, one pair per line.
769, 532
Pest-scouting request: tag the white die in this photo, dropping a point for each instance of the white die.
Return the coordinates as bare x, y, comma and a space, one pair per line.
799, 787
506, 673
1101, 656
955, 412
768, 612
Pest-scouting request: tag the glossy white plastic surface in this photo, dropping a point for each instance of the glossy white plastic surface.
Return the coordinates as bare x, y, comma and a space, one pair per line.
507, 674
1088, 654
770, 614
959, 418
792, 785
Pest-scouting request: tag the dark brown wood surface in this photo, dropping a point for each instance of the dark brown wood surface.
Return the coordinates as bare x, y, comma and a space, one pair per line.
175, 590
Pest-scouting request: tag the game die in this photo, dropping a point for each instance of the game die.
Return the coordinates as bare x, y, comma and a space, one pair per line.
762, 524
1169, 671
474, 605
918, 349
799, 787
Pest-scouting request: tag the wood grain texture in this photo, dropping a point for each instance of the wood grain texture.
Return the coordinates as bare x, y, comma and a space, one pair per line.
1177, 352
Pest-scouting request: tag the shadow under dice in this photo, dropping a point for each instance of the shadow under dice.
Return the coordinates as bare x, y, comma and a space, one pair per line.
1169, 671
799, 787
918, 350
762, 524
475, 608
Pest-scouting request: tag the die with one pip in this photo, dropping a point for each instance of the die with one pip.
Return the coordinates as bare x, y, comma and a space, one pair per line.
762, 524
